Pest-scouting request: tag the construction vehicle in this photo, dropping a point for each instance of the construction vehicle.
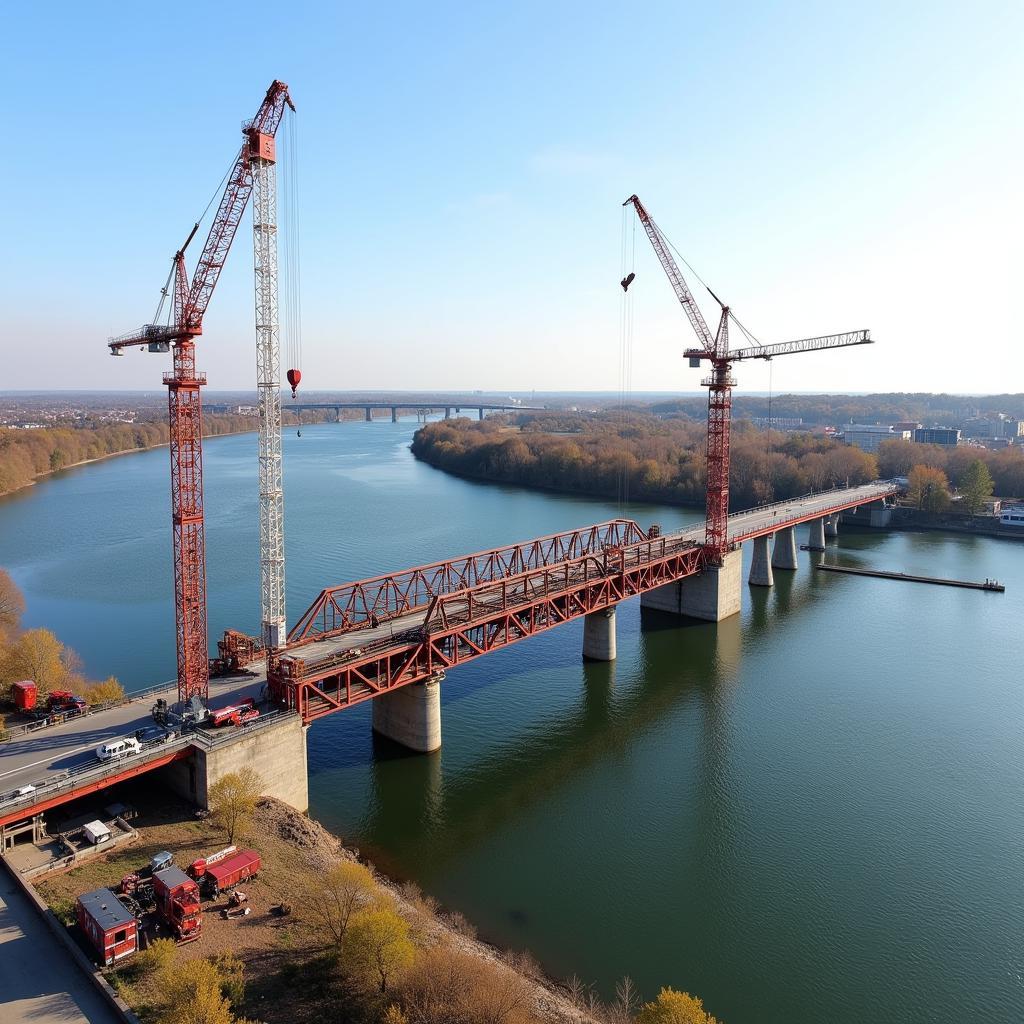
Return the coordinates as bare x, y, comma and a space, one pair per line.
252, 174
177, 903
185, 715
231, 713
218, 874
64, 702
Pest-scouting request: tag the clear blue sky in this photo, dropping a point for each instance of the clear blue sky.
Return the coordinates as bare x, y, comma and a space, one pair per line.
824, 166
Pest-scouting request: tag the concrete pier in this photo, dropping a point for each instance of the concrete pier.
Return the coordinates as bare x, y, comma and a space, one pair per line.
369, 415
816, 534
784, 549
832, 525
411, 716
394, 415
599, 635
761, 565
712, 595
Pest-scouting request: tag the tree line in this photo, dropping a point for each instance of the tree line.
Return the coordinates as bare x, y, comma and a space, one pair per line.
638, 455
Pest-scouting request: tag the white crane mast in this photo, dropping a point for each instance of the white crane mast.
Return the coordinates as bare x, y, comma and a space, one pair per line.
268, 383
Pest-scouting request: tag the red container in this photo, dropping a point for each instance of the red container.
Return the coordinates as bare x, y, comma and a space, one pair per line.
239, 867
25, 694
110, 929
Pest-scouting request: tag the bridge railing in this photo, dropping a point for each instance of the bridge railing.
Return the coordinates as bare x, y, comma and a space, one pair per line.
369, 602
883, 489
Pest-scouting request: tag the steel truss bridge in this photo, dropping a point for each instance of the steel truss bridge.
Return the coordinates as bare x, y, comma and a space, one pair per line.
360, 640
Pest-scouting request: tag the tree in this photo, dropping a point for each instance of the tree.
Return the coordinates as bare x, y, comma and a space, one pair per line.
377, 944
38, 655
928, 488
190, 993
672, 1007
12, 605
232, 799
158, 957
975, 487
102, 693
343, 889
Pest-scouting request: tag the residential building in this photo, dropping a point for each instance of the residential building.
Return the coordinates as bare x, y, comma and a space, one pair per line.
948, 437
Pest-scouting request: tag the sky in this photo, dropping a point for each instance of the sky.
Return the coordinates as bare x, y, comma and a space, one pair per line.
461, 170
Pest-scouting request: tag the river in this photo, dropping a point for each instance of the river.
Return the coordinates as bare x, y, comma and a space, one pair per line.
811, 812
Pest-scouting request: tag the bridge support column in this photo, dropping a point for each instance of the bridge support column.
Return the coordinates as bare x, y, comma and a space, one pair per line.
448, 413
880, 514
369, 415
816, 534
481, 411
761, 565
712, 595
411, 716
784, 549
832, 525
599, 635
394, 414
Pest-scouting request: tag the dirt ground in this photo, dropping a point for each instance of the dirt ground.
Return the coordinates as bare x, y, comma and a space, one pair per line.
288, 977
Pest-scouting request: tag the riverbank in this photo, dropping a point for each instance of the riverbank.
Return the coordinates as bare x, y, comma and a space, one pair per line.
292, 976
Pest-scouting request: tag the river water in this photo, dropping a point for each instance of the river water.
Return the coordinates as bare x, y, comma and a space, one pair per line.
811, 812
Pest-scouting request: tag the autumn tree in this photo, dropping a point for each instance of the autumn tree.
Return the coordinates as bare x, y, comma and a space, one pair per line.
672, 1007
232, 800
928, 488
190, 993
38, 655
12, 605
104, 693
975, 487
341, 892
377, 945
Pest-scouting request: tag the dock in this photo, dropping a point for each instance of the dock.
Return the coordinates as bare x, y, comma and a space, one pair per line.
992, 585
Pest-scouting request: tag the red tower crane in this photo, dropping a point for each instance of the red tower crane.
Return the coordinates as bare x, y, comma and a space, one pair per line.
721, 381
190, 302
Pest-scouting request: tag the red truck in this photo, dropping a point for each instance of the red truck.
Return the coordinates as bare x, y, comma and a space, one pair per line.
177, 903
217, 877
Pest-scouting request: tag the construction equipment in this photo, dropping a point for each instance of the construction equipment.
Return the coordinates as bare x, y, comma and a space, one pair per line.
715, 349
64, 702
218, 875
230, 714
252, 173
177, 903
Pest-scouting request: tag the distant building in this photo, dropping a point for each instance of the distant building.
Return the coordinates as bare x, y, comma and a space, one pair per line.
778, 422
868, 437
948, 437
1012, 515
995, 425
910, 425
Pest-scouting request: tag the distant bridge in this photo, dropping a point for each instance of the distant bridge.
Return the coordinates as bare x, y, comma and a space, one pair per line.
424, 408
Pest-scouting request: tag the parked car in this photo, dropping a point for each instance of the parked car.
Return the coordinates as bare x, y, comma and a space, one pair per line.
155, 734
115, 749
161, 860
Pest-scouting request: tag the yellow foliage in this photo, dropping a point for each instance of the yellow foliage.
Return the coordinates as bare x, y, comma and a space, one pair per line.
158, 957
377, 945
345, 887
191, 994
232, 799
672, 1007
102, 693
38, 655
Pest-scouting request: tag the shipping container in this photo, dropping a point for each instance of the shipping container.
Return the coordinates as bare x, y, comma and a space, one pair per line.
111, 930
25, 694
241, 867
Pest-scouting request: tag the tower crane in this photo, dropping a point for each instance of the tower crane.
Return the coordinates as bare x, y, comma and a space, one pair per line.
720, 382
253, 172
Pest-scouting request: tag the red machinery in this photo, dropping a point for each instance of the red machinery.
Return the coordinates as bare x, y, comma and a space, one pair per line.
190, 302
232, 714
63, 701
217, 876
177, 903
721, 381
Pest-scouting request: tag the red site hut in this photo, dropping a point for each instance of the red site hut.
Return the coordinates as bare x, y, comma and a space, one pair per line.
110, 929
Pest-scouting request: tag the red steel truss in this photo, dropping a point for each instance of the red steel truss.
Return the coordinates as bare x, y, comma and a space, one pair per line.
459, 625
359, 605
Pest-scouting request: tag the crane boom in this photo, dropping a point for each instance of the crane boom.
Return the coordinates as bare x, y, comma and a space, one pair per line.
788, 348
674, 275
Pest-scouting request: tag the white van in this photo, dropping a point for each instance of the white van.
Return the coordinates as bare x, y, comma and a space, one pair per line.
124, 747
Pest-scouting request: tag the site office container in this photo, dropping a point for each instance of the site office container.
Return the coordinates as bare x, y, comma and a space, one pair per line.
240, 867
177, 903
25, 694
110, 929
